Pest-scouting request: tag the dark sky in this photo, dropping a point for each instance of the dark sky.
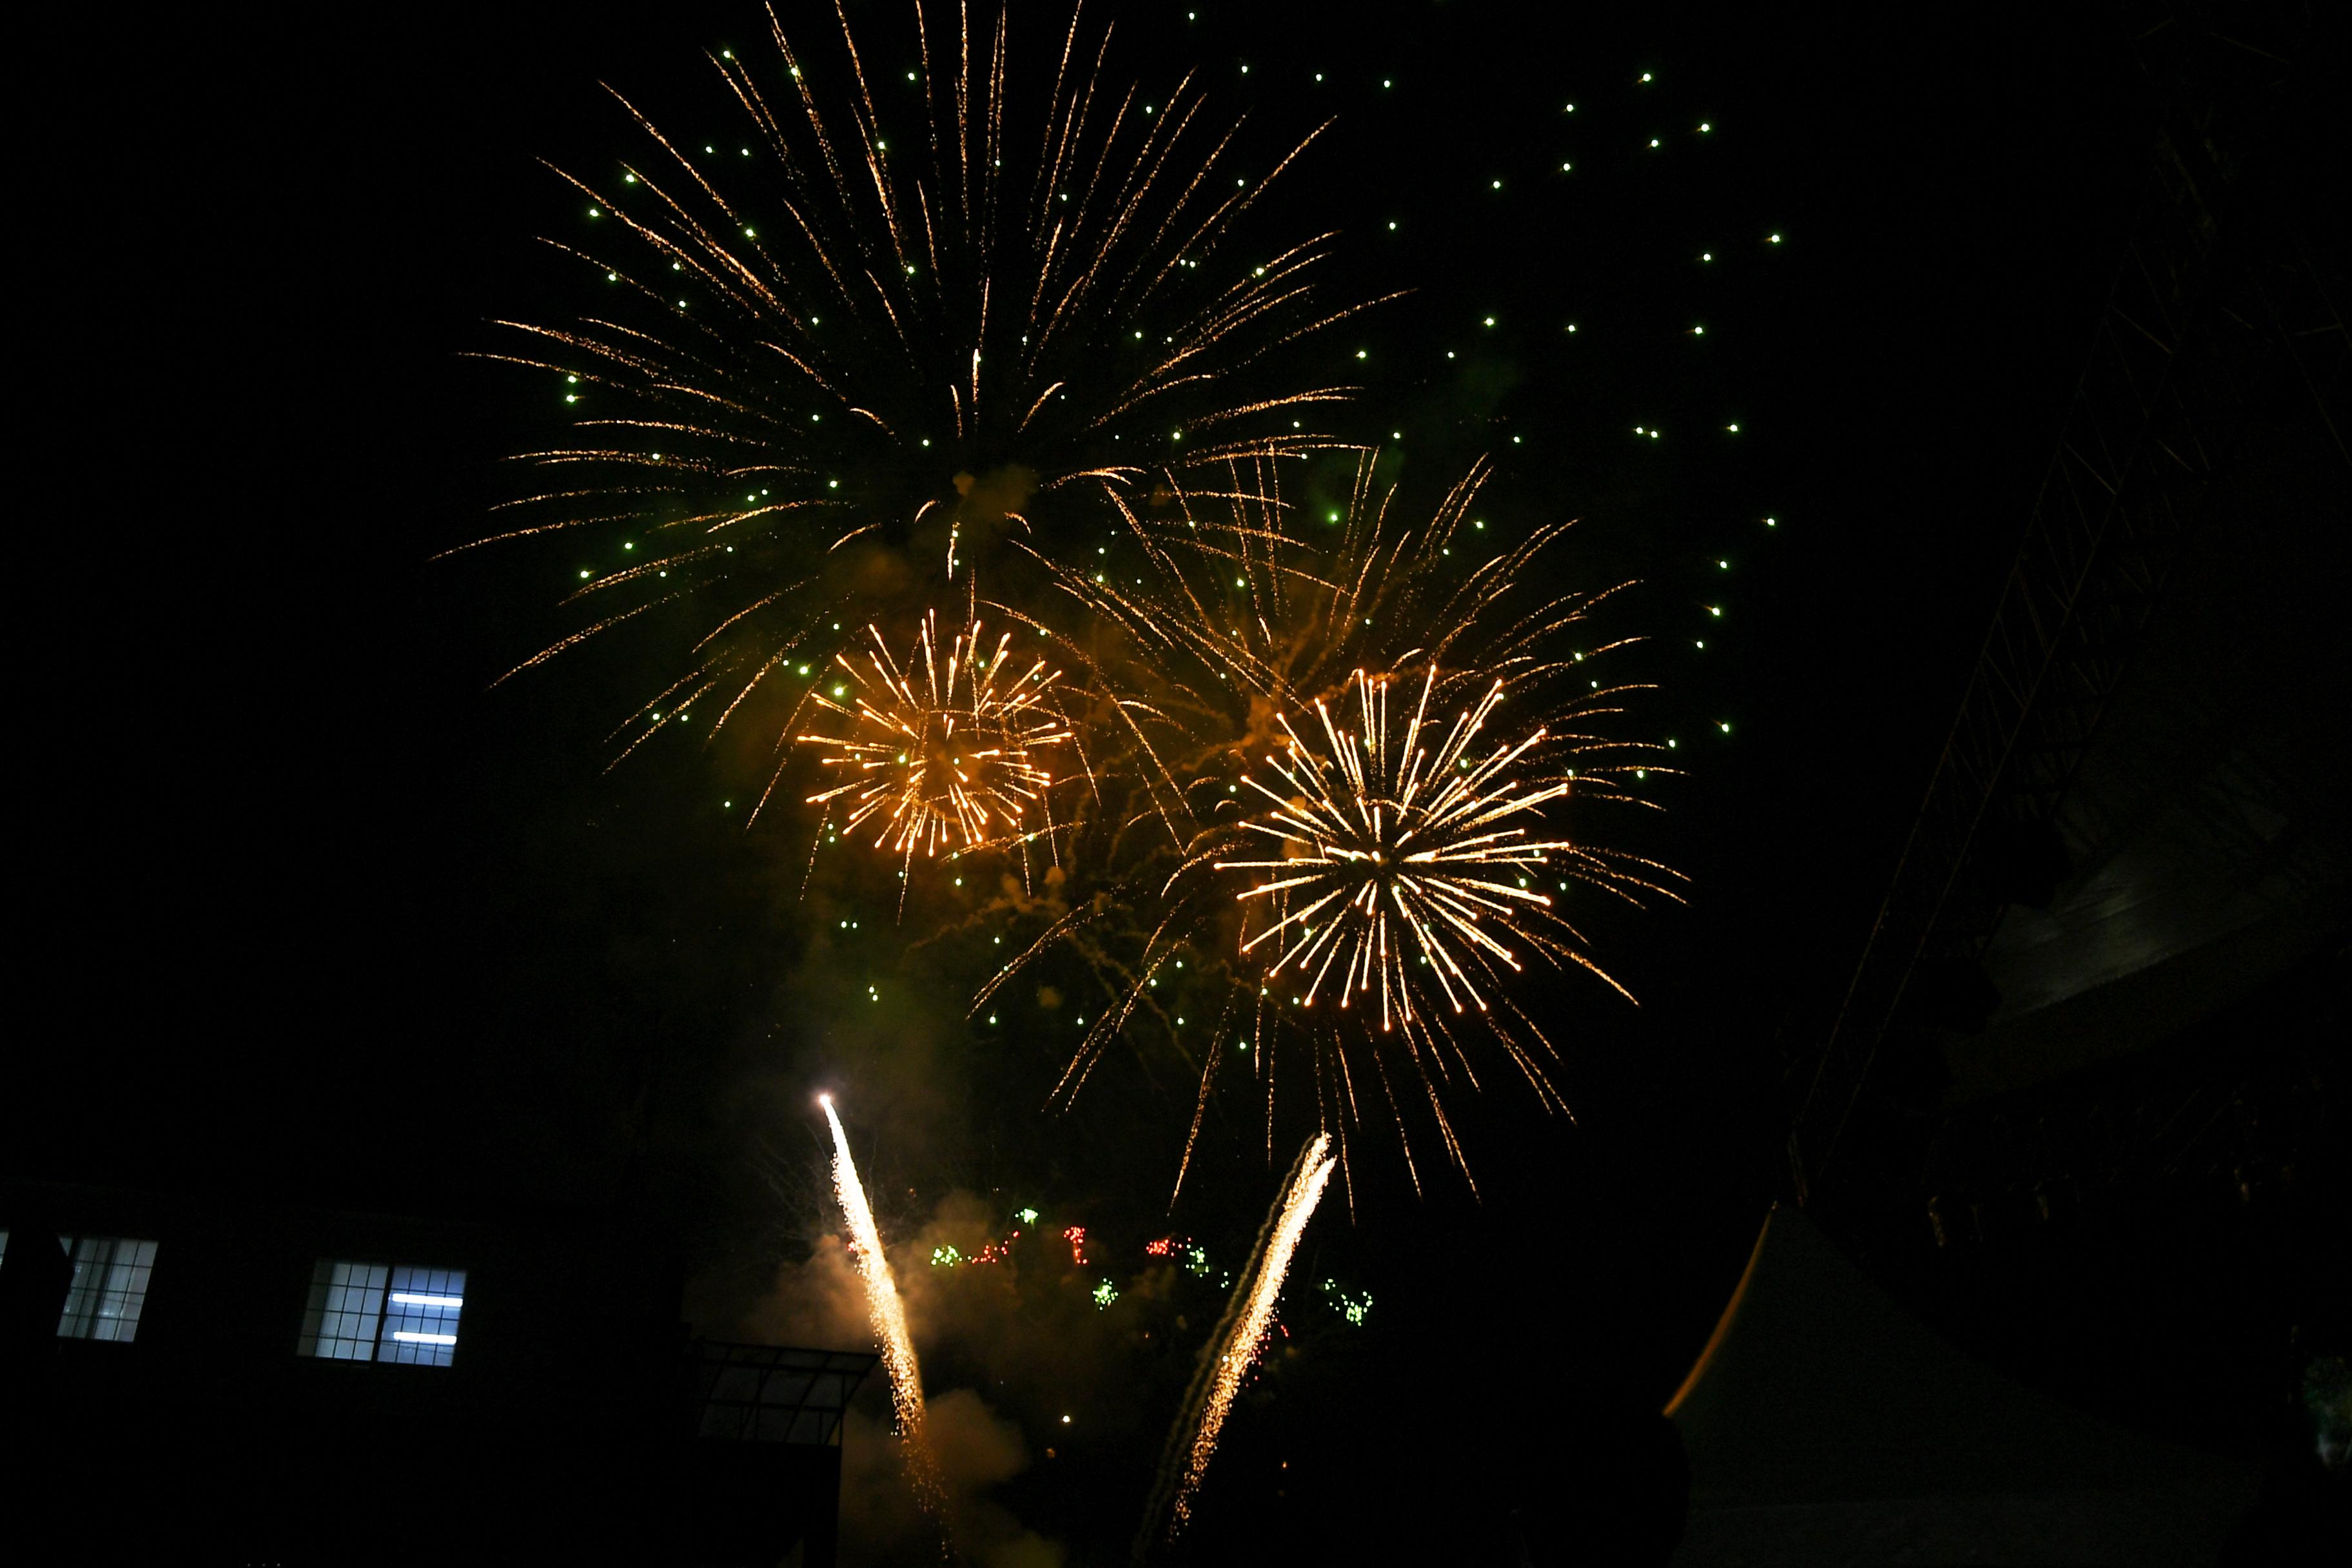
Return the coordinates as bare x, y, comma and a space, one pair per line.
306, 909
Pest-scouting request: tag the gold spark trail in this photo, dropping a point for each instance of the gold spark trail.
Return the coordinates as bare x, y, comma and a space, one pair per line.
889, 1318
1192, 1442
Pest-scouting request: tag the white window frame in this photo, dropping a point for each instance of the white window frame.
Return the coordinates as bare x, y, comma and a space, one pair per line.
405, 1314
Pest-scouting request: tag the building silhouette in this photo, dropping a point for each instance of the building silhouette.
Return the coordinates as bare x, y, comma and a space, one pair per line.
227, 1381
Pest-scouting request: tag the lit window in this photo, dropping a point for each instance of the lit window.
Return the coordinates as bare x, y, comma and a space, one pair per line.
110, 1286
377, 1311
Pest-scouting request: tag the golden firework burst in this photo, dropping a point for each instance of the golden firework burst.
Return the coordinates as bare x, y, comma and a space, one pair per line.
1400, 864
945, 752
1381, 746
862, 342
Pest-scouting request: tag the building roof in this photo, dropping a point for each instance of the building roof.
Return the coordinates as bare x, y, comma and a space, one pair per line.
1825, 1425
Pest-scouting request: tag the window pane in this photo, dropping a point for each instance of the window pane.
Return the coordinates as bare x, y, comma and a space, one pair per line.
110, 1286
346, 1308
420, 1321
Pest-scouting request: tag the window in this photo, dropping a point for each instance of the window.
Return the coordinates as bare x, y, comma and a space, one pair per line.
379, 1311
110, 1286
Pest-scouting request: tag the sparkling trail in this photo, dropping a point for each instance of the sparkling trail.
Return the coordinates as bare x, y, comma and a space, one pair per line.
1193, 1441
889, 1318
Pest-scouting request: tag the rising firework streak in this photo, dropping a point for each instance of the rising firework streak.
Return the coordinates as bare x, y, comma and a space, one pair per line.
1231, 1350
889, 1319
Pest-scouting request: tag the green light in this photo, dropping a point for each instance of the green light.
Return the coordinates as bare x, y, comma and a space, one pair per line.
1027, 1216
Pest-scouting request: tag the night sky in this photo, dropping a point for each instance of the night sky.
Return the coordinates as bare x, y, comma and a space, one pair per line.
310, 913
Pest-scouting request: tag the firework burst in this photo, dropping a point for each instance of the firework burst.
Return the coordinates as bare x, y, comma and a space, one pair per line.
1399, 859
951, 752
856, 342
1367, 745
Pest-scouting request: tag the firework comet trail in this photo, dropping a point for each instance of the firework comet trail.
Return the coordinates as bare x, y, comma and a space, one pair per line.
888, 1317
1192, 1442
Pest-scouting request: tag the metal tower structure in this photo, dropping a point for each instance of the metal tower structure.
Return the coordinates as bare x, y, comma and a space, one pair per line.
2221, 305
